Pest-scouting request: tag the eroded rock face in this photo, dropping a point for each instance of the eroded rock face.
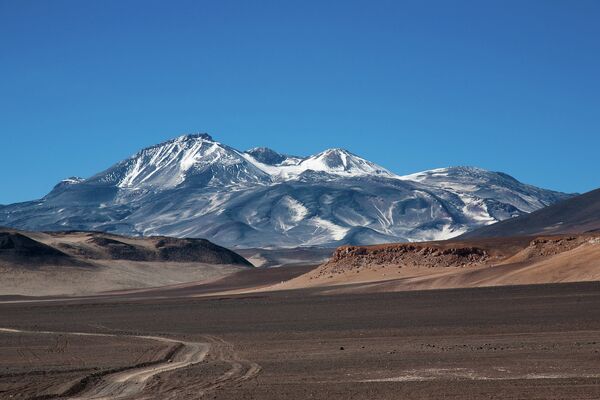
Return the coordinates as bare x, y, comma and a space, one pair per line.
400, 251
405, 255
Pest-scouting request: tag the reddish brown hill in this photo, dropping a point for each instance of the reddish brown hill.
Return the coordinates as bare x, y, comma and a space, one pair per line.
482, 262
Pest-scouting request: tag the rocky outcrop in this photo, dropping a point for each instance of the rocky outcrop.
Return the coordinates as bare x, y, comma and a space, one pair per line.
404, 255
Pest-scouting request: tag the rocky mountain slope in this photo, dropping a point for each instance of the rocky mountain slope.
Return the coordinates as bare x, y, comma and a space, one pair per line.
576, 215
194, 186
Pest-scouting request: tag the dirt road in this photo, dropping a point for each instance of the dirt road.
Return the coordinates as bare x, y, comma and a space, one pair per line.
132, 381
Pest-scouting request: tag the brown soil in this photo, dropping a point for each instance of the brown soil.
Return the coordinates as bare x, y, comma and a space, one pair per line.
525, 342
36, 365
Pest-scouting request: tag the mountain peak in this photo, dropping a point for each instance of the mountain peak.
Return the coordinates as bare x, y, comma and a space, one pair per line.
342, 161
72, 180
192, 159
266, 155
199, 135
66, 183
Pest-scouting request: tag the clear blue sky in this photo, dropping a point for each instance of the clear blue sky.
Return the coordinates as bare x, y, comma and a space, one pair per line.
512, 86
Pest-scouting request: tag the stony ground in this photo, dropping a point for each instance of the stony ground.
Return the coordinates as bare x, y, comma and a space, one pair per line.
527, 342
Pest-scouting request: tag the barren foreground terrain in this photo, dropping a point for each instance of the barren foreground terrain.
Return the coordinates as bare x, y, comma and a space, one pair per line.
511, 342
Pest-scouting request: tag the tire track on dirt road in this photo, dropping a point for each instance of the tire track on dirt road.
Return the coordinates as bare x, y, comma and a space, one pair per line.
131, 381
240, 369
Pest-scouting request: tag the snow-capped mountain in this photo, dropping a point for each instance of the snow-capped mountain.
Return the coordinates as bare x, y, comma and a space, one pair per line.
194, 186
334, 162
187, 160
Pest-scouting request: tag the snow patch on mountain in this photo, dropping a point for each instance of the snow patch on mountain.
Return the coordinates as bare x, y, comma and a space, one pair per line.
327, 228
287, 213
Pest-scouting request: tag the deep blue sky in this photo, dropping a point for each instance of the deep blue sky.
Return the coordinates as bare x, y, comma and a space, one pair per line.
412, 85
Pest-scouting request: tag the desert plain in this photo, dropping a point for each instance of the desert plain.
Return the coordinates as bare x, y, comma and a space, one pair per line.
508, 342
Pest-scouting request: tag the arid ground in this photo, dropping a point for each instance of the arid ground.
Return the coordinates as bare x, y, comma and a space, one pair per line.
510, 342
508, 318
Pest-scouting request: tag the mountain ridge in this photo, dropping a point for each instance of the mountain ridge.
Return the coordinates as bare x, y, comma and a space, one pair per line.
579, 214
195, 186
